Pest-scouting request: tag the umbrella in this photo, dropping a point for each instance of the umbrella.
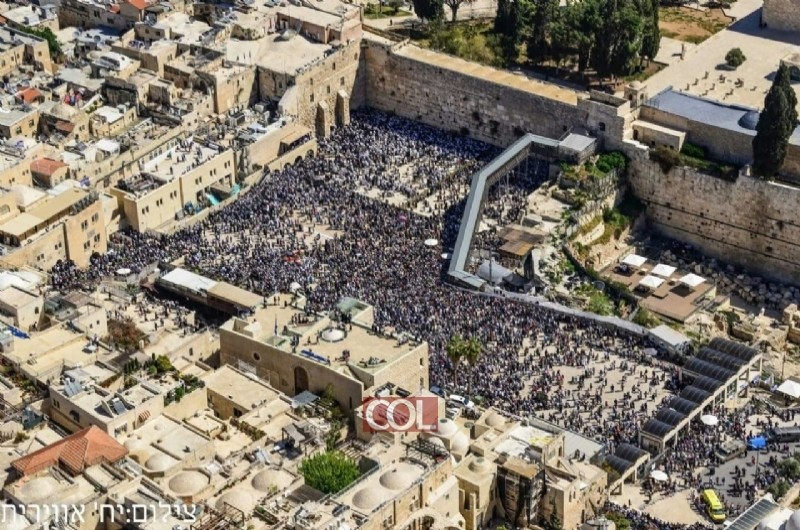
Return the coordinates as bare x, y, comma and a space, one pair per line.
759, 442
431, 242
123, 272
659, 476
709, 419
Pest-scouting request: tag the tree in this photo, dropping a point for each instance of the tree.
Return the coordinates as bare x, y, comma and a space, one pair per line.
455, 352
454, 5
775, 125
543, 12
735, 57
618, 43
508, 25
395, 5
651, 34
429, 9
329, 472
471, 351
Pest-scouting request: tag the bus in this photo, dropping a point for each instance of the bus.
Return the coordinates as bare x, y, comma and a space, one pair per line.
714, 508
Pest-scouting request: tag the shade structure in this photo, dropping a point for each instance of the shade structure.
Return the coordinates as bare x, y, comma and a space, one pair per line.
790, 388
431, 242
709, 419
692, 280
651, 282
659, 476
123, 271
634, 260
665, 271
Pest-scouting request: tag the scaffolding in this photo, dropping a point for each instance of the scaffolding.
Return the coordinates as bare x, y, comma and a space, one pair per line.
227, 518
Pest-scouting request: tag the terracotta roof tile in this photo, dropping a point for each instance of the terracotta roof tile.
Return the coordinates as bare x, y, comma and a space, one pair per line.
29, 95
74, 453
46, 166
141, 5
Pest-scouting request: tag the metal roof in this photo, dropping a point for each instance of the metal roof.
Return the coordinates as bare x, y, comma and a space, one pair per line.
188, 280
720, 358
707, 369
692, 393
754, 514
737, 349
630, 452
670, 416
620, 465
684, 406
708, 384
658, 428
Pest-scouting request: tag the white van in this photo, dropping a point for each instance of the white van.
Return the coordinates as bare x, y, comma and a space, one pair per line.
460, 401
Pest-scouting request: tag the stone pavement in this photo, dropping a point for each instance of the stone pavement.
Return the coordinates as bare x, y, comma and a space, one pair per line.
669, 51
763, 48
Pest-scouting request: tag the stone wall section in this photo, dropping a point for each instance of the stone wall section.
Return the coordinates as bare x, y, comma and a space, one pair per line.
782, 15
749, 222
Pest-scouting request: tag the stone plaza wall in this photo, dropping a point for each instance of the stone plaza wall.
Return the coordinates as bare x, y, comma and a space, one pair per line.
782, 15
749, 222
459, 100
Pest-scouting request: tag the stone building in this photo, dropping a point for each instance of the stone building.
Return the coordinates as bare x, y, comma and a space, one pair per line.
783, 15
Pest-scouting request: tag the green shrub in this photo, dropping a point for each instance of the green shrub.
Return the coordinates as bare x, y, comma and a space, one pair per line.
693, 151
329, 472
613, 160
735, 57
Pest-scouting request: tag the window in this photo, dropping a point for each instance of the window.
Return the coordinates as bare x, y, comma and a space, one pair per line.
256, 356
602, 126
312, 98
74, 416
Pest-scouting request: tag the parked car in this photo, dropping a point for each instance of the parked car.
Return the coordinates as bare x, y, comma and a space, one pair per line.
460, 401
439, 391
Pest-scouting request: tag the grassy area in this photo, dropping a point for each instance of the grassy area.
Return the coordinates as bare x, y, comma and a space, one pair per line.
668, 159
471, 41
375, 11
691, 25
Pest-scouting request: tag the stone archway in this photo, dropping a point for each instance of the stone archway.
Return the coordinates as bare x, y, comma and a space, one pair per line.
342, 108
300, 379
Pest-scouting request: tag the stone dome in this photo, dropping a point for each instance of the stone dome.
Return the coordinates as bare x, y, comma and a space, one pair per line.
399, 477
749, 120
793, 523
446, 428
158, 462
37, 488
368, 498
241, 500
188, 482
333, 335
460, 444
268, 478
636, 85
480, 465
134, 442
496, 420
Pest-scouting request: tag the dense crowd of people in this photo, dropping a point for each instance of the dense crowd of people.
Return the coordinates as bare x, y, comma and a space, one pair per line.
314, 224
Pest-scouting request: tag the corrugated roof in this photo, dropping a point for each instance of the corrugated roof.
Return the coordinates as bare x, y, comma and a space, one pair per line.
189, 280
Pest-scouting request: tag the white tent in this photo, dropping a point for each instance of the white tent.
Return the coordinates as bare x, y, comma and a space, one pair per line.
665, 271
692, 280
790, 388
635, 261
651, 282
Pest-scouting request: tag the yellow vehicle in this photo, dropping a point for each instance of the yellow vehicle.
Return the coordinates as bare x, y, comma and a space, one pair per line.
714, 508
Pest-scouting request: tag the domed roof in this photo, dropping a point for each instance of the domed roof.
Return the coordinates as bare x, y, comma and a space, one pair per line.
636, 85
400, 476
241, 500
793, 523
368, 498
495, 419
268, 478
750, 120
460, 444
188, 482
158, 462
446, 428
437, 442
480, 465
332, 335
134, 442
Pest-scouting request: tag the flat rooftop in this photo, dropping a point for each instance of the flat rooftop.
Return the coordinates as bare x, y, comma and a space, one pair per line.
319, 339
487, 73
178, 160
239, 388
274, 54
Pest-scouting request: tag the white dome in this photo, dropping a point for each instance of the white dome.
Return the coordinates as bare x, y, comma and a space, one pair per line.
268, 478
158, 462
368, 498
400, 476
241, 500
459, 444
495, 420
446, 428
188, 482
793, 523
437, 442
333, 335
480, 465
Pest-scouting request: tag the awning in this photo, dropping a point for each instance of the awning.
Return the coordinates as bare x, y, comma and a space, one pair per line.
144, 416
651, 282
790, 388
635, 261
665, 271
692, 280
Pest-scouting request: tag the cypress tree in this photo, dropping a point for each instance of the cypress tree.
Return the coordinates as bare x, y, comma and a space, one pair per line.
775, 125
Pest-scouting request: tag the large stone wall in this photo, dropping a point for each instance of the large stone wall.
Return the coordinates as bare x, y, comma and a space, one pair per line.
749, 222
782, 15
463, 101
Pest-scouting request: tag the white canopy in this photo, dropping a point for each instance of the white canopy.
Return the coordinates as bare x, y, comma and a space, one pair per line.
634, 260
659, 476
692, 280
790, 388
665, 271
709, 419
651, 282
431, 242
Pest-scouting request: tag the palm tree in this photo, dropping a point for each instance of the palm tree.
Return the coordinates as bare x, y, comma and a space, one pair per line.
455, 352
471, 351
